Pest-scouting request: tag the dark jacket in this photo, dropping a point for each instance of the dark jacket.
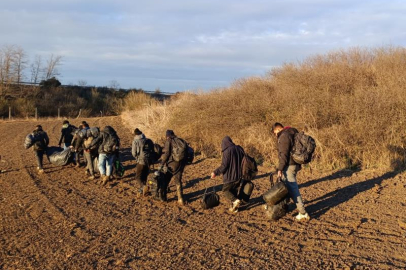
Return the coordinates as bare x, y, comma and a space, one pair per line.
42, 140
66, 135
167, 158
285, 143
137, 149
102, 139
231, 161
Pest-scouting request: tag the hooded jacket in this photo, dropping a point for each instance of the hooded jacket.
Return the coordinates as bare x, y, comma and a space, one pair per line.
66, 134
231, 160
167, 158
285, 143
137, 149
42, 140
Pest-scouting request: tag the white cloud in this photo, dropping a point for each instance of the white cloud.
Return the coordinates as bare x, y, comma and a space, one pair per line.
201, 42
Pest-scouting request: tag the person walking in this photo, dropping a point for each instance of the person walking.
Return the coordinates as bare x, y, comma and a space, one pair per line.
175, 165
40, 146
230, 168
84, 140
109, 143
141, 150
66, 134
288, 168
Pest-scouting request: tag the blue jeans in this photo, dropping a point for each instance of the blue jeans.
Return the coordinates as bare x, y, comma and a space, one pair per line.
289, 175
106, 164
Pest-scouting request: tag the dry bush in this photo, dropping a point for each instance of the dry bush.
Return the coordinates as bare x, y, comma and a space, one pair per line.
352, 102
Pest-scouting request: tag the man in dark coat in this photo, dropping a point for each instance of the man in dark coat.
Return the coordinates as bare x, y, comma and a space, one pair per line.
66, 134
288, 168
230, 168
174, 168
141, 150
40, 145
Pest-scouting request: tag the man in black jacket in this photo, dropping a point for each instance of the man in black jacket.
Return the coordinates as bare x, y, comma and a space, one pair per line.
141, 150
288, 168
66, 134
174, 168
40, 145
230, 168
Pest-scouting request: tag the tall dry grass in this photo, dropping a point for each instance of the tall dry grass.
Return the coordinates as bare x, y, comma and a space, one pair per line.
353, 102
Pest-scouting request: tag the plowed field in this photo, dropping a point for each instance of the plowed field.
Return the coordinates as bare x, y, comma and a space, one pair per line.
61, 220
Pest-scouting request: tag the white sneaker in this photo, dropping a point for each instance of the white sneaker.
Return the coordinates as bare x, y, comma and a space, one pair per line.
301, 217
234, 207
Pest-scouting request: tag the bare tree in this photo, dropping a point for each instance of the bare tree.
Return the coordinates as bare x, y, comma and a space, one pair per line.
20, 63
82, 83
51, 69
36, 68
7, 63
113, 84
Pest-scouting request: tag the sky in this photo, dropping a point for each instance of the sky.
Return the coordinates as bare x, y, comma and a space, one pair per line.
181, 45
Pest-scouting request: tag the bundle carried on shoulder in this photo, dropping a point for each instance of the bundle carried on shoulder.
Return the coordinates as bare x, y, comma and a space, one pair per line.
29, 141
59, 157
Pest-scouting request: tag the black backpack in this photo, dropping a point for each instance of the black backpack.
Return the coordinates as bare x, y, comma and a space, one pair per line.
249, 167
303, 148
110, 144
148, 151
179, 149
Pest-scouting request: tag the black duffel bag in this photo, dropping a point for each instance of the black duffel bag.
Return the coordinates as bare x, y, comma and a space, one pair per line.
277, 211
210, 200
276, 193
61, 158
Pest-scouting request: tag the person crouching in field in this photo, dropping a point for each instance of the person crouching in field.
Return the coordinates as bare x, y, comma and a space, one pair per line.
230, 168
40, 146
109, 145
288, 168
141, 151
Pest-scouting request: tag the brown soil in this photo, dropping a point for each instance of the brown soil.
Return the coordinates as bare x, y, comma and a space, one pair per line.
59, 220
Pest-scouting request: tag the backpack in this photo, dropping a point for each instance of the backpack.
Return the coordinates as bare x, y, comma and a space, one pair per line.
146, 153
111, 143
249, 167
190, 155
179, 149
303, 148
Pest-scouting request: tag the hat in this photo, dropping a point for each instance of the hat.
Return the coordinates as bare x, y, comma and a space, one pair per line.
274, 126
169, 133
137, 131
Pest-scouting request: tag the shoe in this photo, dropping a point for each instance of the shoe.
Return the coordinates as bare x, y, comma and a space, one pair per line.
87, 172
91, 177
180, 195
104, 180
40, 170
234, 206
145, 190
302, 217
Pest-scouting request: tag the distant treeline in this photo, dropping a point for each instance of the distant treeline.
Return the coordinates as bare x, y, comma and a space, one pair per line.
51, 98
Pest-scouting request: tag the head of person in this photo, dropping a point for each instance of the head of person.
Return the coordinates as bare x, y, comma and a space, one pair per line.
38, 128
84, 122
137, 132
276, 128
65, 123
85, 125
170, 133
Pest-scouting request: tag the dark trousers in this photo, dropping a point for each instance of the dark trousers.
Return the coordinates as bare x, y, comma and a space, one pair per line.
39, 154
230, 190
141, 174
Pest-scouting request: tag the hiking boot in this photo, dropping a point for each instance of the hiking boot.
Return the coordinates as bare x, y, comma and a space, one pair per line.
302, 217
180, 195
104, 180
145, 190
41, 171
91, 177
234, 206
87, 173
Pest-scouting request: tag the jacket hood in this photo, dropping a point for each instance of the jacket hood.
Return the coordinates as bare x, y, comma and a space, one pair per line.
139, 137
109, 130
226, 143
